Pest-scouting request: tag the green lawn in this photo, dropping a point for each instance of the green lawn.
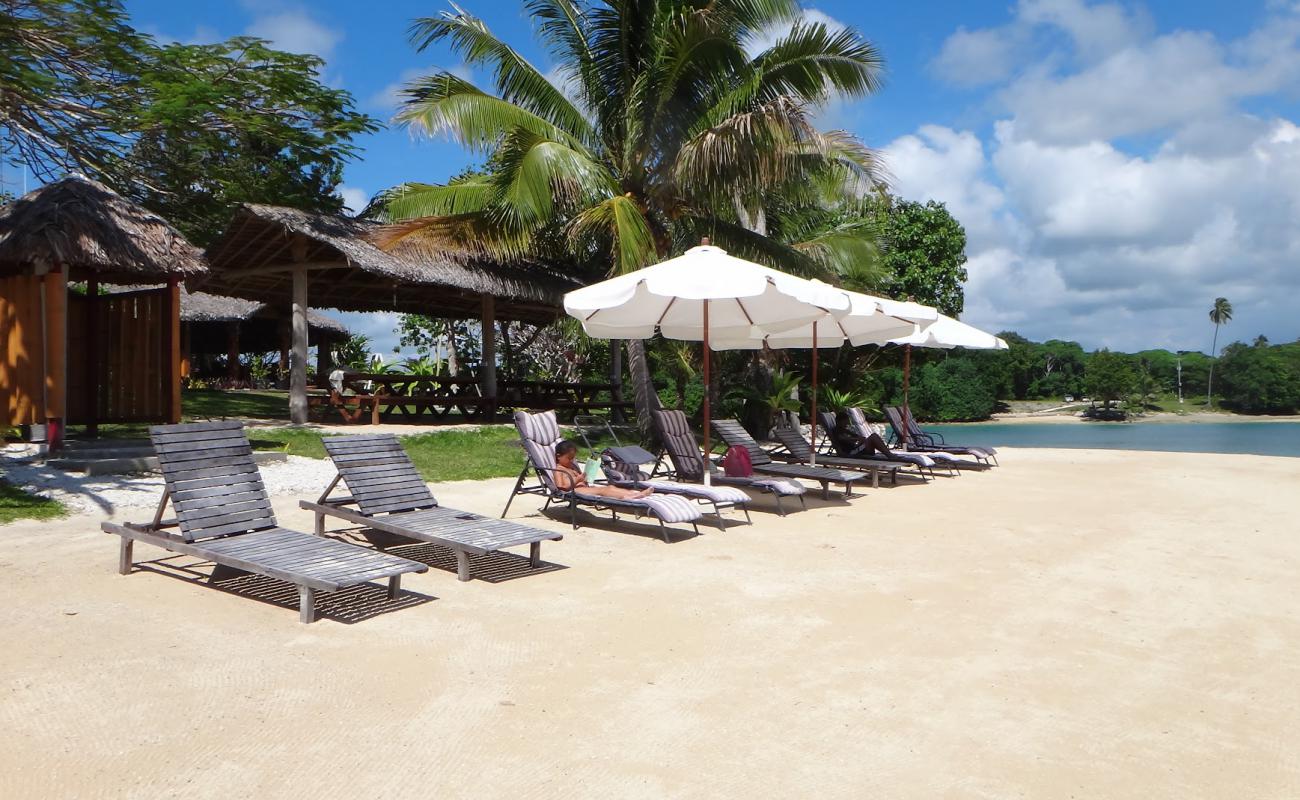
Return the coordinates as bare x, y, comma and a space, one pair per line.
490, 452
208, 403
16, 504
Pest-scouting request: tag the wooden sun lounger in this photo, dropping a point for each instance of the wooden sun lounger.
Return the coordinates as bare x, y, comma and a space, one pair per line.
224, 516
734, 434
391, 496
911, 434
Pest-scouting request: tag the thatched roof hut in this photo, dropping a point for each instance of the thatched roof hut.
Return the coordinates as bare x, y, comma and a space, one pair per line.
354, 266
92, 231
208, 319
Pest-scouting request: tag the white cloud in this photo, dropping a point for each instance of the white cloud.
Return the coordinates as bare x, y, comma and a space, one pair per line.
294, 30
1074, 231
355, 199
975, 58
388, 99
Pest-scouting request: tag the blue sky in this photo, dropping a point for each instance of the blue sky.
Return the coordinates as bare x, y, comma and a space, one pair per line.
1116, 165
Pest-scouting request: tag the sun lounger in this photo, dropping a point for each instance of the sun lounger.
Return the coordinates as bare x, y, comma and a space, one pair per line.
951, 461
223, 515
733, 434
622, 466
540, 433
390, 496
923, 462
688, 464
916, 439
793, 447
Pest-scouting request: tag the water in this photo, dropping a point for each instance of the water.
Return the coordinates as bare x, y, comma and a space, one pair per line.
1259, 438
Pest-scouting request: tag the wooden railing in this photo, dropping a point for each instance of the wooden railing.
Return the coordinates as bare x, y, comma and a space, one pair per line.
388, 397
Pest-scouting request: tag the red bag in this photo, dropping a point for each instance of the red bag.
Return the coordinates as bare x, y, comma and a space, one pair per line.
736, 462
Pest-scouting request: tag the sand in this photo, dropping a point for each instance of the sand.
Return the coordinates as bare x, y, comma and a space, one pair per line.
1073, 624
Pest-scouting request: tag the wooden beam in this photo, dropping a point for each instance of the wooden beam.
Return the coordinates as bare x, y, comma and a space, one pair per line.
95, 347
487, 371
298, 361
279, 269
172, 348
56, 347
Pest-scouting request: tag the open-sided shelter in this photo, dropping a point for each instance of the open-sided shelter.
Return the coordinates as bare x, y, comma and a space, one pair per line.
79, 357
289, 257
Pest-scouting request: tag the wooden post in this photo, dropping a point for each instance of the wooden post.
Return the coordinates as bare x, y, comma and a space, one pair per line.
56, 348
488, 364
94, 346
232, 352
298, 362
324, 363
616, 379
708, 386
172, 349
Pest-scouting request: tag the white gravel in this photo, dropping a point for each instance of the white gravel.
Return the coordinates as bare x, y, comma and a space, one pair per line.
109, 494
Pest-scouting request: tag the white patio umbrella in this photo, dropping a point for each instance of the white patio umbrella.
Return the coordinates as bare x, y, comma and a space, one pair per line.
945, 333
868, 322
701, 294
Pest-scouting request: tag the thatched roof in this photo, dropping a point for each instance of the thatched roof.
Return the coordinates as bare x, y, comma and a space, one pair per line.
89, 228
200, 307
353, 267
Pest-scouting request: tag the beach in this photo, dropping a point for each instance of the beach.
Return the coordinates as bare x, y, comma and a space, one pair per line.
1074, 623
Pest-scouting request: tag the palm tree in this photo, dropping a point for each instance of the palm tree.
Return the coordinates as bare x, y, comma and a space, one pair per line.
659, 128
1221, 314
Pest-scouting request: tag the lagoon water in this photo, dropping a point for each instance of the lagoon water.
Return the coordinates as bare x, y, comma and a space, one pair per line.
1259, 438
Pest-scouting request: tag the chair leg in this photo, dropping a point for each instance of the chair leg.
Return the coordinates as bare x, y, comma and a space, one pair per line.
394, 587
803, 502
779, 508
320, 524
462, 565
306, 604
749, 520
124, 553
826, 490
573, 513
663, 529
535, 555
515, 491
717, 514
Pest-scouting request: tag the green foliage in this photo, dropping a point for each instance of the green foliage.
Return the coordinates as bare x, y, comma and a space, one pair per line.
951, 390
782, 396
189, 131
924, 254
354, 353
1261, 379
1109, 376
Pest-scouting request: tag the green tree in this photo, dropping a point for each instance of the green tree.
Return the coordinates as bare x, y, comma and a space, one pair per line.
1109, 376
667, 130
951, 390
1221, 314
1261, 379
237, 122
924, 253
69, 84
354, 353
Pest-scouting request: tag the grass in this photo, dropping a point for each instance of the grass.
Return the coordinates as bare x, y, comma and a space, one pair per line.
490, 452
208, 403
16, 504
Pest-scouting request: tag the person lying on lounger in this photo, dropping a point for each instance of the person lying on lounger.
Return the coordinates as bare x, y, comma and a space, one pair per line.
569, 477
848, 443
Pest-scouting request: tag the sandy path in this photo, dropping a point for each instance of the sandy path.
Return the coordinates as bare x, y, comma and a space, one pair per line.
1074, 624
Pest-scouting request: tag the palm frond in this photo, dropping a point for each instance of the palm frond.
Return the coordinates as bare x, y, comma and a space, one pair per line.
517, 81
446, 103
535, 176
618, 224
413, 200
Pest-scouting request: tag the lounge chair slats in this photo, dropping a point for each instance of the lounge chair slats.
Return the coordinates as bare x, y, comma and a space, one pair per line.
734, 434
391, 496
225, 516
539, 433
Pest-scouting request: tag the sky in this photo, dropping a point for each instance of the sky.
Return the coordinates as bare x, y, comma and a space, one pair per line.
1116, 165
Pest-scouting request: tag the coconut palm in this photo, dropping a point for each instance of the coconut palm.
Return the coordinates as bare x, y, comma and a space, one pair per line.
1221, 314
658, 128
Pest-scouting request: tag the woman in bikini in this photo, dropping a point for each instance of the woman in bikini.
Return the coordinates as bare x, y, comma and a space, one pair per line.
569, 477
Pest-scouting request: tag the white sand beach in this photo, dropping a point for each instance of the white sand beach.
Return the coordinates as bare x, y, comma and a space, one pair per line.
1072, 624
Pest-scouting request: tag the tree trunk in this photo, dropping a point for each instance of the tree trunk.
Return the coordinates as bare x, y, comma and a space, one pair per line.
643, 389
1209, 383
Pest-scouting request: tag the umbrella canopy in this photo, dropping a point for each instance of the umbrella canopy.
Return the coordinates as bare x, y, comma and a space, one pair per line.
670, 296
870, 320
702, 293
946, 332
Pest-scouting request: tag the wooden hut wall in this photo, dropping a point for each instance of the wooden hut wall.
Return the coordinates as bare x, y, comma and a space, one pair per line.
32, 336
129, 376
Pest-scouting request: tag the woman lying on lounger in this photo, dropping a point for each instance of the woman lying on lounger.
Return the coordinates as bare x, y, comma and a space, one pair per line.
849, 444
569, 477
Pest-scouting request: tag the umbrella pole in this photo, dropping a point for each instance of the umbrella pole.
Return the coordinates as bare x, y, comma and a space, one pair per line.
907, 409
813, 459
708, 386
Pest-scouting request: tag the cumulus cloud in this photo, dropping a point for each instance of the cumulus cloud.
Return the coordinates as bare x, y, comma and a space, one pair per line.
976, 58
1076, 230
294, 30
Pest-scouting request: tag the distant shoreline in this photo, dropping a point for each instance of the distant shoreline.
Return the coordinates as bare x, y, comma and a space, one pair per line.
1157, 417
